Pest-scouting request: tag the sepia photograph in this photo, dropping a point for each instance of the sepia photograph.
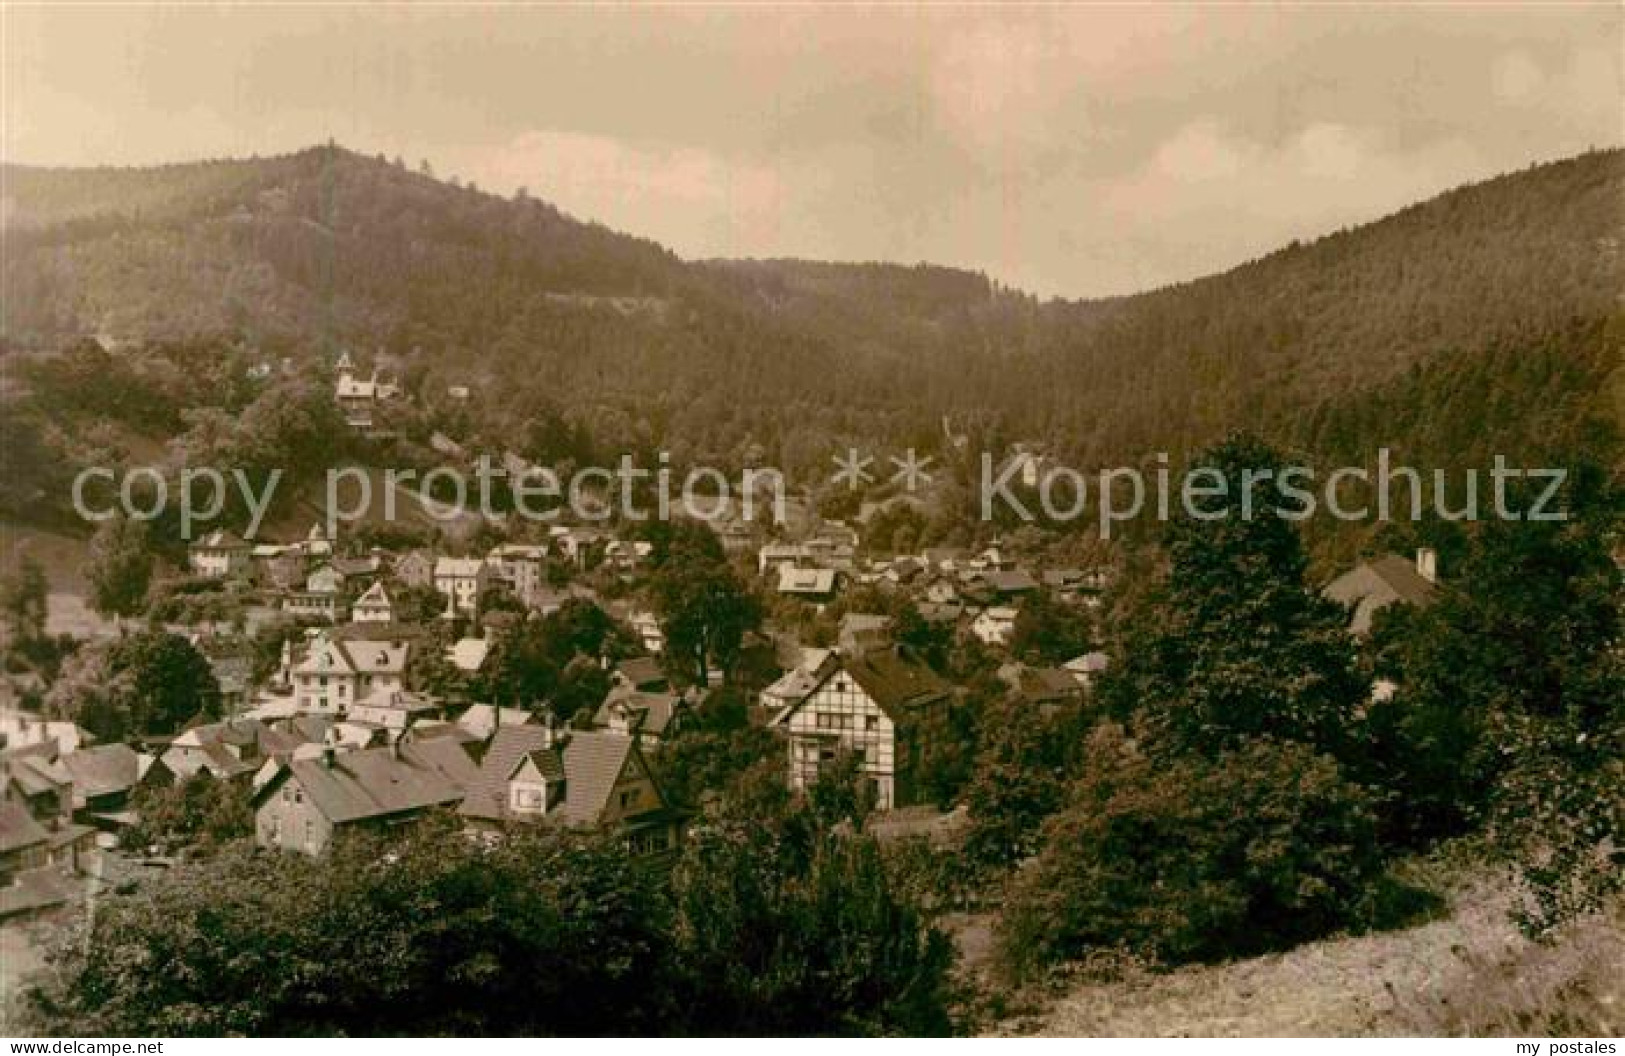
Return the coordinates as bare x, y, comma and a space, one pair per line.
803, 520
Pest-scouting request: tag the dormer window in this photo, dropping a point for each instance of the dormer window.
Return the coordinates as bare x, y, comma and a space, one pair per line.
526, 797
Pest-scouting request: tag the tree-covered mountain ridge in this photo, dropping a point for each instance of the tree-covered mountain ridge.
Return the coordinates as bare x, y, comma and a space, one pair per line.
1500, 299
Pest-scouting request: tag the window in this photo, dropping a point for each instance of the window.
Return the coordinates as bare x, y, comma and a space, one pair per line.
528, 797
871, 722
310, 834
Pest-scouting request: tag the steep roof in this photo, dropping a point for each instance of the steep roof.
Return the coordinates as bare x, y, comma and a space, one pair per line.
650, 712
482, 720
18, 829
592, 765
103, 770
372, 783
374, 595
511, 745
893, 681
1375, 584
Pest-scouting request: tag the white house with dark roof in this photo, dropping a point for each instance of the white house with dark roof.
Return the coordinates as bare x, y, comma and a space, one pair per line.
335, 673
872, 705
373, 606
219, 554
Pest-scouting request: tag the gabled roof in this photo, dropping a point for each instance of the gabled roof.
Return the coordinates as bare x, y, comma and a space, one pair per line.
35, 774
103, 770
459, 567
221, 539
510, 746
893, 681
18, 829
643, 672
481, 720
592, 765
649, 713
371, 783
1375, 584
896, 683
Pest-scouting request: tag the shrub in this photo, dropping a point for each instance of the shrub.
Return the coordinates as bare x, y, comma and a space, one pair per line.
1194, 858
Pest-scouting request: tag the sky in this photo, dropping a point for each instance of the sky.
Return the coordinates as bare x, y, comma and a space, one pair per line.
1072, 151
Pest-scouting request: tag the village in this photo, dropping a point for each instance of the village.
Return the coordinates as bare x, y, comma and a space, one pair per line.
370, 716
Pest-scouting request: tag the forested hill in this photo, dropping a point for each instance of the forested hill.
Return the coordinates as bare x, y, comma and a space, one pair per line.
1485, 318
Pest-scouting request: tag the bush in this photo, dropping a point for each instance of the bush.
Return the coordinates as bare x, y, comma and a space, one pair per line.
1195, 859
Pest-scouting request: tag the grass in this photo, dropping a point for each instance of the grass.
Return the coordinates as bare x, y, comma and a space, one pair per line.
1467, 971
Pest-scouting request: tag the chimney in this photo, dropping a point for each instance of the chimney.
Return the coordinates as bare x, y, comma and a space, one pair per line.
1427, 563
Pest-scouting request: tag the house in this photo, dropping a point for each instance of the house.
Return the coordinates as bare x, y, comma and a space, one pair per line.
480, 721
334, 672
394, 710
641, 672
358, 398
995, 625
24, 843
36, 780
625, 555
415, 569
232, 664
1026, 466
1371, 587
1007, 584
468, 654
523, 568
535, 774
21, 729
809, 584
220, 554
304, 804
873, 705
646, 625
360, 571
575, 543
276, 565
322, 597
461, 580
651, 717
1087, 668
104, 777
373, 606
795, 684
832, 550
1043, 689
226, 750
940, 590
944, 558
859, 632
36, 784
772, 557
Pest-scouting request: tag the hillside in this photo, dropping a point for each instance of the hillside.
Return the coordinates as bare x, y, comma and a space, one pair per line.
1484, 319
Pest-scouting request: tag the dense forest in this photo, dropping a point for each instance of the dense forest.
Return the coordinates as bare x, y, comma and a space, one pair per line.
1485, 320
